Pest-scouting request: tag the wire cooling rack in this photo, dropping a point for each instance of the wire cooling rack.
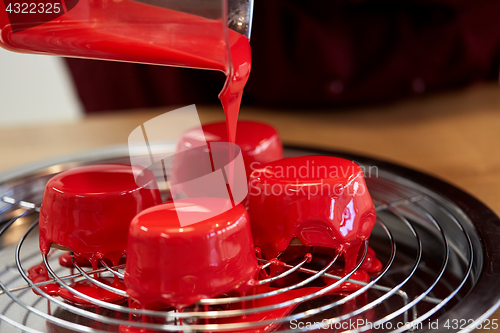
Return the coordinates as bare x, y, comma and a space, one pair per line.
437, 245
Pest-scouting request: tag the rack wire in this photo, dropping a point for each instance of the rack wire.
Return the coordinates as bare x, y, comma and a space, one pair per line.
431, 245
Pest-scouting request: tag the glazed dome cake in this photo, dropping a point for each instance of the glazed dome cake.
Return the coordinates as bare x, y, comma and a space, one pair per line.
177, 266
259, 142
321, 200
88, 209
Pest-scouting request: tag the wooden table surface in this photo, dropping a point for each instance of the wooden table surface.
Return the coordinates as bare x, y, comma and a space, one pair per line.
454, 136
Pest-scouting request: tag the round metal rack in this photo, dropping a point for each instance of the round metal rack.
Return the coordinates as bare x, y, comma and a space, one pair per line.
437, 245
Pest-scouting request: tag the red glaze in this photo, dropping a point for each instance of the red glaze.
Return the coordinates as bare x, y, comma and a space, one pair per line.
89, 209
88, 288
65, 260
237, 77
321, 200
371, 264
137, 32
38, 273
179, 266
259, 142
133, 329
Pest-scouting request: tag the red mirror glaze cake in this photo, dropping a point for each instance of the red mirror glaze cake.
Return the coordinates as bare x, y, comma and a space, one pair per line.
177, 266
259, 142
321, 200
88, 209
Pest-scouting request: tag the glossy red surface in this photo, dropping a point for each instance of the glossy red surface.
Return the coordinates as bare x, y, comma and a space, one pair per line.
321, 200
137, 32
178, 266
38, 273
259, 142
88, 288
371, 264
65, 261
88, 210
232, 92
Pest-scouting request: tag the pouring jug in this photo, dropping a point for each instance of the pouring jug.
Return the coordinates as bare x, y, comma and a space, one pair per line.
207, 34
187, 33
